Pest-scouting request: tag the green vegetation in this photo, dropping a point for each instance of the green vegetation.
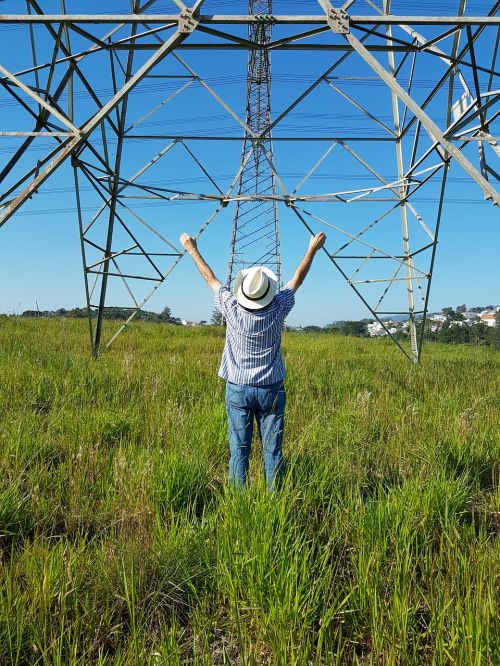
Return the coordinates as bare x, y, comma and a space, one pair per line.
111, 312
475, 334
120, 543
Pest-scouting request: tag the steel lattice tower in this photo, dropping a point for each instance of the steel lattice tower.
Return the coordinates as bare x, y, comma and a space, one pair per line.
376, 130
255, 236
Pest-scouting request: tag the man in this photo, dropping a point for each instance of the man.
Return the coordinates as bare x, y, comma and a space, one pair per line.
252, 363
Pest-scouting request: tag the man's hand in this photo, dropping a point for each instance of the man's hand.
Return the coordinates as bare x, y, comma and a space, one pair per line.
188, 242
317, 242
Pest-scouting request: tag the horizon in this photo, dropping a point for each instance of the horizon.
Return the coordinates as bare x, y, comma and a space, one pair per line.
180, 317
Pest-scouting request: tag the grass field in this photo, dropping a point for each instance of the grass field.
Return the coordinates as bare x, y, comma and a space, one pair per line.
121, 543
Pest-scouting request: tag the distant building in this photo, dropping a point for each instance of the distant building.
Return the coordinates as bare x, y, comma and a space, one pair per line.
470, 317
437, 317
376, 330
489, 317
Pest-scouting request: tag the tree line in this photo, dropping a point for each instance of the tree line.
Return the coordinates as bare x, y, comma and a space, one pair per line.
476, 333
111, 312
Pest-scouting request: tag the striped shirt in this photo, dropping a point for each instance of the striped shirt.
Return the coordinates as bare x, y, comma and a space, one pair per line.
252, 353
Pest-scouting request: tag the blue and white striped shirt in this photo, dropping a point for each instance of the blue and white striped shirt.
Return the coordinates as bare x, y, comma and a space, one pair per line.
252, 353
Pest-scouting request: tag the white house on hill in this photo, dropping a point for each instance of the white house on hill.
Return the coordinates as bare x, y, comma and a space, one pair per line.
489, 317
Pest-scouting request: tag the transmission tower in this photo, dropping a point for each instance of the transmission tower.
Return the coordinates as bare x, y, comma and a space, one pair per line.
375, 131
255, 236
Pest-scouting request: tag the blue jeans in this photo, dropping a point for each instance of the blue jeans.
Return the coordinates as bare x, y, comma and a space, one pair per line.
267, 405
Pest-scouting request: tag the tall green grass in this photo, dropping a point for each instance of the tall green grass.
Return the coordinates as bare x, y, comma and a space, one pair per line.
122, 544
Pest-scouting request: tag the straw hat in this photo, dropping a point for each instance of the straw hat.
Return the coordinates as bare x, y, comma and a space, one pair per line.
255, 287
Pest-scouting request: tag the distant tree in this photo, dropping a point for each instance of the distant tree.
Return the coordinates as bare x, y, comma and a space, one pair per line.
356, 328
77, 313
480, 308
166, 314
332, 328
216, 319
449, 313
445, 333
461, 309
493, 336
479, 333
113, 312
312, 329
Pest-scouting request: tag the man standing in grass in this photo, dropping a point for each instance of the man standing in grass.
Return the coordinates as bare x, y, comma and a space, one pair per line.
252, 363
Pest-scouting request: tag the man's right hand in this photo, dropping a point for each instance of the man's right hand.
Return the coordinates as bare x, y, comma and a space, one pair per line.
188, 242
317, 242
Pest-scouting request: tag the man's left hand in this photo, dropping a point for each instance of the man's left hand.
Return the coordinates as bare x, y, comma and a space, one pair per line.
188, 242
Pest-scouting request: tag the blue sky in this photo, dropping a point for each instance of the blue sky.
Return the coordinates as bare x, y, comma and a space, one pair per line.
40, 256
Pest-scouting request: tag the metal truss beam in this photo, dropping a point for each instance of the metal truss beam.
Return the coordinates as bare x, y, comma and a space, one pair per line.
248, 19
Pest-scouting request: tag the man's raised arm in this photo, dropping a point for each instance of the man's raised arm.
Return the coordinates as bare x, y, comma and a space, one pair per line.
315, 243
206, 272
